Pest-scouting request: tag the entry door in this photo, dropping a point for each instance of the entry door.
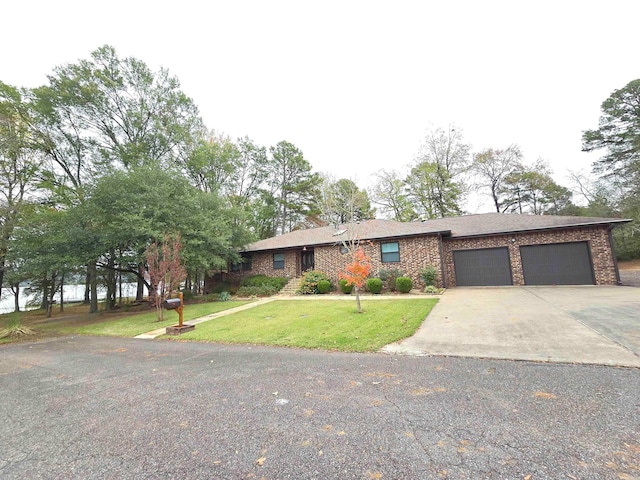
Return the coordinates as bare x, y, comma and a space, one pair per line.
307, 260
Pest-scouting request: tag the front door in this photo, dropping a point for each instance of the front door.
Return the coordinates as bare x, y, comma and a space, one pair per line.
307, 260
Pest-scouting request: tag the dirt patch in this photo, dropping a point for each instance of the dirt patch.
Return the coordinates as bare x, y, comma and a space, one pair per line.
629, 265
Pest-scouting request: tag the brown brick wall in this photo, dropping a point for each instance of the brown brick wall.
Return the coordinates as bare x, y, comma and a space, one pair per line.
597, 238
262, 263
415, 254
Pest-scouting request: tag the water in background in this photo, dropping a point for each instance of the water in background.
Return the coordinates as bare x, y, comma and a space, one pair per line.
72, 293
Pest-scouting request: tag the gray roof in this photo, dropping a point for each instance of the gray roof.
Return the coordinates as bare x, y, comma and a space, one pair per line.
465, 226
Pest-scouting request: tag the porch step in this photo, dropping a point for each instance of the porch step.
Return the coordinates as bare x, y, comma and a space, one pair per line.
292, 287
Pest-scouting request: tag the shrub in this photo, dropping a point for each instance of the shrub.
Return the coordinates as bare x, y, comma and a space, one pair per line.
220, 287
260, 291
309, 282
224, 296
324, 286
430, 289
346, 287
404, 284
187, 295
428, 275
276, 283
374, 285
389, 277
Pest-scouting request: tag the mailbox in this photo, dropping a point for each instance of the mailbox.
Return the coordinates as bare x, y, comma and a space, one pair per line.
172, 303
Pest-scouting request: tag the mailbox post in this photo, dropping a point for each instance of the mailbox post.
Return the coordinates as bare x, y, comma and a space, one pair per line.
177, 304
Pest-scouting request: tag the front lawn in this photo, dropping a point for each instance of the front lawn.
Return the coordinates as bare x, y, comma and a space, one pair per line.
324, 324
133, 325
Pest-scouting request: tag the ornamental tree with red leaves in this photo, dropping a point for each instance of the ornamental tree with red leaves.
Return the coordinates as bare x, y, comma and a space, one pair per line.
357, 272
166, 270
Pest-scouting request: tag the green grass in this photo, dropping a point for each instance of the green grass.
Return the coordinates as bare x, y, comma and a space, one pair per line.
133, 325
325, 324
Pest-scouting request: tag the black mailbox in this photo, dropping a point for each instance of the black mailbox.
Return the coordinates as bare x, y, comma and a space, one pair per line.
172, 303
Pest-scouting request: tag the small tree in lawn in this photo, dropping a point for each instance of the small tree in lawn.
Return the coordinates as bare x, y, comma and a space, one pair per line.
166, 270
357, 272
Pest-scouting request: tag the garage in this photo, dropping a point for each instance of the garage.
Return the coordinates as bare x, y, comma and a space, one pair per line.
557, 264
482, 267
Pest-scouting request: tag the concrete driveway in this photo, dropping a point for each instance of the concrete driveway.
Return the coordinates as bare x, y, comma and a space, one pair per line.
583, 324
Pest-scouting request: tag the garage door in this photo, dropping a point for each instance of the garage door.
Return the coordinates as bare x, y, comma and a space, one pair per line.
557, 264
482, 267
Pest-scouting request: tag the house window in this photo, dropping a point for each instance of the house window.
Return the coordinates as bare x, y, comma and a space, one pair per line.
235, 267
278, 261
390, 252
247, 263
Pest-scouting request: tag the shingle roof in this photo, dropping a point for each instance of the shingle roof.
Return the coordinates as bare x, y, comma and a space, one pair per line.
464, 226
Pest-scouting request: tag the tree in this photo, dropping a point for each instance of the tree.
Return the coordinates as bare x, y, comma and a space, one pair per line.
436, 182
532, 190
212, 163
113, 112
166, 271
292, 185
357, 272
493, 166
618, 133
342, 201
18, 167
432, 192
390, 193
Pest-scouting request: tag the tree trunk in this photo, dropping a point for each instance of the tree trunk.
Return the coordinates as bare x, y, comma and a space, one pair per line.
45, 293
2, 264
87, 289
62, 293
120, 288
140, 290
110, 301
16, 296
358, 299
52, 292
93, 285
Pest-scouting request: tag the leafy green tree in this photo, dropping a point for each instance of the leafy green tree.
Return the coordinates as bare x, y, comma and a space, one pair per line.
18, 167
493, 166
532, 190
390, 193
342, 201
432, 192
292, 184
436, 183
618, 134
113, 112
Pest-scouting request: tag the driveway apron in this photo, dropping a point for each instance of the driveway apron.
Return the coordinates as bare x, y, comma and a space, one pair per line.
592, 325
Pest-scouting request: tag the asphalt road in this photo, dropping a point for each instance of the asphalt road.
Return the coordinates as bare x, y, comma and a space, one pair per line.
87, 407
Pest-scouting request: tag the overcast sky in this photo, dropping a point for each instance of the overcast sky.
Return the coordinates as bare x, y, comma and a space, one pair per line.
356, 84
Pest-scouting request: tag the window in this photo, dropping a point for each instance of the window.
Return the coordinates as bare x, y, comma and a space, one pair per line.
278, 261
247, 263
235, 267
390, 252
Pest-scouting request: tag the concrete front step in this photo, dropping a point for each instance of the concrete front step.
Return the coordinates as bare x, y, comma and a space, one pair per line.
292, 287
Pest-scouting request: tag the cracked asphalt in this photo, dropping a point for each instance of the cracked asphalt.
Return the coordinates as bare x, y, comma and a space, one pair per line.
102, 408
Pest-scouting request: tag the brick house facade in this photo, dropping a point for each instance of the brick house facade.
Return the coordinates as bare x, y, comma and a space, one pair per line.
411, 246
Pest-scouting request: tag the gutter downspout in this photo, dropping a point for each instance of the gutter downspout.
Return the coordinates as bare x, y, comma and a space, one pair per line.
613, 255
444, 281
